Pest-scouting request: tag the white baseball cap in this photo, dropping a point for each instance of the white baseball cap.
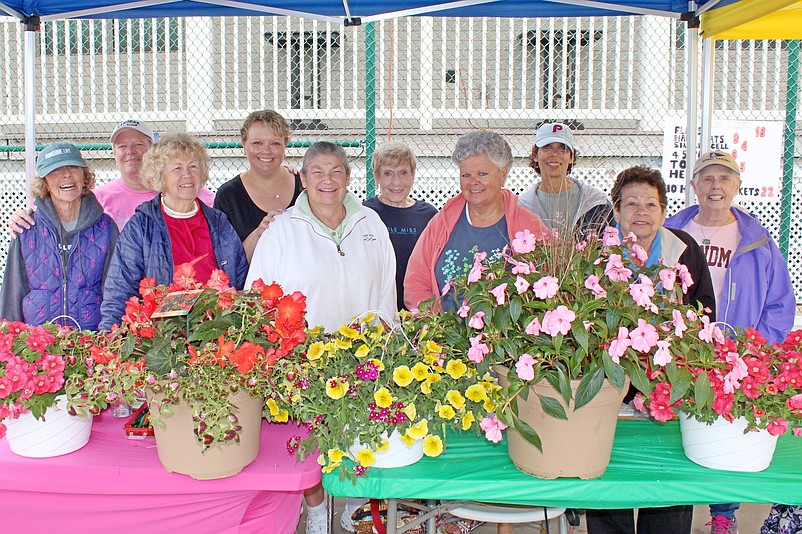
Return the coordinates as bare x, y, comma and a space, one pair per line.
554, 132
133, 124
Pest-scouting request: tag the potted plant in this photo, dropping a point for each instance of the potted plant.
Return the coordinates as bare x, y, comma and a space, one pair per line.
203, 355
36, 362
744, 396
567, 324
383, 396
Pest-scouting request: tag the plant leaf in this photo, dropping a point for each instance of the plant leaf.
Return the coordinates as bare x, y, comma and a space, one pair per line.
527, 432
552, 407
589, 386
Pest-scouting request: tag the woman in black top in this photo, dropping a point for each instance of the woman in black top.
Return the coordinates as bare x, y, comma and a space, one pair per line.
251, 199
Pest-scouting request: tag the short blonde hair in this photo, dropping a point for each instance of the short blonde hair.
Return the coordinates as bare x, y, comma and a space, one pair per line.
393, 153
271, 119
40, 190
171, 146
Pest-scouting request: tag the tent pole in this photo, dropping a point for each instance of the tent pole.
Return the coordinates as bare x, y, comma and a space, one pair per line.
370, 107
708, 58
791, 105
32, 25
692, 46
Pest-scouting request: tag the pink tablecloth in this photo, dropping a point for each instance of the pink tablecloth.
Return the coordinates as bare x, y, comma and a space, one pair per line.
117, 485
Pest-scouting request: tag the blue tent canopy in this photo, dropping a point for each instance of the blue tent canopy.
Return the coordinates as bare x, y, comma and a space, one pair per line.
349, 10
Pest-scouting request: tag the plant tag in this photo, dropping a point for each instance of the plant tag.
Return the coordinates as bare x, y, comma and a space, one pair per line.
177, 304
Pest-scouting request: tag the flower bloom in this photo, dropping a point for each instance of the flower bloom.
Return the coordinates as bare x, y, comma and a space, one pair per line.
478, 349
660, 407
463, 311
662, 356
418, 430
777, 427
558, 321
533, 328
468, 419
667, 278
546, 287
500, 292
644, 337
476, 271
524, 241
432, 445
420, 371
455, 399
456, 368
525, 367
366, 457
592, 283
642, 292
402, 376
616, 270
383, 398
492, 428
685, 278
446, 412
679, 323
477, 322
336, 388
610, 237
639, 254
521, 285
476, 393
619, 345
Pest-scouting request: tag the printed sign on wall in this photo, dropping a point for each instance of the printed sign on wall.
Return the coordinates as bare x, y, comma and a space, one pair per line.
755, 145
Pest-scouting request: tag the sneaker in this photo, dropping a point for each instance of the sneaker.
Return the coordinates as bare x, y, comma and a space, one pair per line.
722, 525
317, 523
347, 522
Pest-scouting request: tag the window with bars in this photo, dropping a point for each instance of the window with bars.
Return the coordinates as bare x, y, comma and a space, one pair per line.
71, 37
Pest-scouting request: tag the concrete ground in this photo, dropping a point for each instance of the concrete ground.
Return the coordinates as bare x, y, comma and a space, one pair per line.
750, 519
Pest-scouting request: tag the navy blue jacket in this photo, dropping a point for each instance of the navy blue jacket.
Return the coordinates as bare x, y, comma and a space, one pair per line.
144, 250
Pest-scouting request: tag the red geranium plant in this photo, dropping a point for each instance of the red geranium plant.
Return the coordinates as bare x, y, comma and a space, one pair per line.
746, 377
198, 343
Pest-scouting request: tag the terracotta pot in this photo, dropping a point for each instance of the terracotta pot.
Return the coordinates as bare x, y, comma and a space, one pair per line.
577, 447
723, 445
56, 434
180, 452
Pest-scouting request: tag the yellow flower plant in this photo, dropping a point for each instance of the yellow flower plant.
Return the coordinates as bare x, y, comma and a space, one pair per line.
367, 380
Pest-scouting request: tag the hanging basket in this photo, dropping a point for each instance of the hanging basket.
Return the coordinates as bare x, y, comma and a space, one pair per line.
180, 451
57, 433
724, 446
577, 447
397, 453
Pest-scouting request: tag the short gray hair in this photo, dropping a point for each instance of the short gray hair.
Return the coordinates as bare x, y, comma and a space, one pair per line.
325, 148
483, 143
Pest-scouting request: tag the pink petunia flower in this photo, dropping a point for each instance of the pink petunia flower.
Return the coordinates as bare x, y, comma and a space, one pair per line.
558, 321
662, 356
525, 367
492, 428
685, 278
464, 310
679, 323
477, 321
524, 241
478, 349
667, 278
797, 432
546, 287
500, 292
638, 254
642, 292
644, 337
777, 427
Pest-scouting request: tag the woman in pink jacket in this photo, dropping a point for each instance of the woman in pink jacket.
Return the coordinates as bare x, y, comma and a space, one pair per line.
484, 217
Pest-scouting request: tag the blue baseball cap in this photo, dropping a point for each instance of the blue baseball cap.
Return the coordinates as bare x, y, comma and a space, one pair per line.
56, 156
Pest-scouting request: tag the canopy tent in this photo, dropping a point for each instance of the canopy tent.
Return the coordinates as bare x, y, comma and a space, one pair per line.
755, 19
347, 12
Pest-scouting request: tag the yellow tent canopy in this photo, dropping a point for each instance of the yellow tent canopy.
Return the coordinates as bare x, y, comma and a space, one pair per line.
755, 19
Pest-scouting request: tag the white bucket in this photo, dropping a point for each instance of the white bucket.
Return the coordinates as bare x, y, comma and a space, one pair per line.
724, 446
397, 453
60, 433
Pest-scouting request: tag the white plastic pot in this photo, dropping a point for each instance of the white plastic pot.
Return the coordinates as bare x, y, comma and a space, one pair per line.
397, 453
59, 433
724, 446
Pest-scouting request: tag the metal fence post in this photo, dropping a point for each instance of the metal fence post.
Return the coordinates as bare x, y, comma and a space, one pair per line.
791, 104
370, 106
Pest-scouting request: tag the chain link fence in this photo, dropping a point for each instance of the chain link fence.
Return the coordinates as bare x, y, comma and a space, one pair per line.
424, 81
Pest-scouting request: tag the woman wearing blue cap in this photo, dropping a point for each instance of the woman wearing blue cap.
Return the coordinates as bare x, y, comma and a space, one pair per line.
56, 270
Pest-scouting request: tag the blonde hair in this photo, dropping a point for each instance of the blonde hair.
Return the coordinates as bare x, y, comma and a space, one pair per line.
171, 146
393, 153
40, 190
271, 119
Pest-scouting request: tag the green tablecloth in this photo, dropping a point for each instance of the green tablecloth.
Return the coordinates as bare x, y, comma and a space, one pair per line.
647, 468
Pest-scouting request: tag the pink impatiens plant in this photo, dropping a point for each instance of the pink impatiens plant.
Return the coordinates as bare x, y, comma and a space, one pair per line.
557, 309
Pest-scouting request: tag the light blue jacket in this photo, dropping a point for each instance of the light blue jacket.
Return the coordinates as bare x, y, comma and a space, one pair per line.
758, 290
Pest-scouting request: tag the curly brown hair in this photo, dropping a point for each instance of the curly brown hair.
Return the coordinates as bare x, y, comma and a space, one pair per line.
639, 174
40, 190
533, 163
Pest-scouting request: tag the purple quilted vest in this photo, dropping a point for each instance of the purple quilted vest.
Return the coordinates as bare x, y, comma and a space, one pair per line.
77, 292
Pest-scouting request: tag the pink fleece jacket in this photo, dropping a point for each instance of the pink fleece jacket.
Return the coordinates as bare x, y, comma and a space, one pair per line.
420, 282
